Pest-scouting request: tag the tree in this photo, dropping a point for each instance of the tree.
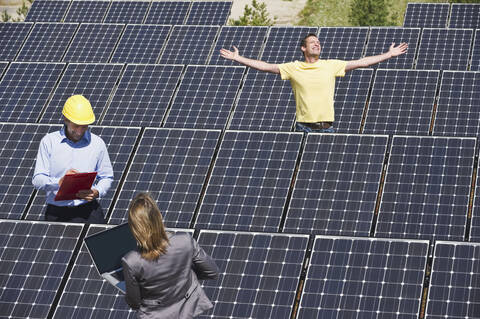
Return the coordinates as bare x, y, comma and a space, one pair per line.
370, 12
257, 15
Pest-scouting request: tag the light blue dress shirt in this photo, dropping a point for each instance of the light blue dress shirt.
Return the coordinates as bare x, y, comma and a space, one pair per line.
57, 154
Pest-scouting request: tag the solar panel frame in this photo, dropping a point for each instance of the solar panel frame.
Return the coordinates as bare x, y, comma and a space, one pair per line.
132, 11
342, 43
209, 13
3, 67
474, 231
13, 35
91, 11
168, 12
465, 15
426, 15
47, 11
475, 60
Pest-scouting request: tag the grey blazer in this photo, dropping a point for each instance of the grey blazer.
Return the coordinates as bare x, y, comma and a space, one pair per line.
168, 286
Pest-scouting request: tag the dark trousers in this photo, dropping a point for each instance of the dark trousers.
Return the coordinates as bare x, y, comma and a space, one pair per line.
90, 212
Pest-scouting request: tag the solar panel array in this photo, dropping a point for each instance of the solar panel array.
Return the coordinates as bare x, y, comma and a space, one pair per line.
47, 11
426, 15
12, 36
465, 15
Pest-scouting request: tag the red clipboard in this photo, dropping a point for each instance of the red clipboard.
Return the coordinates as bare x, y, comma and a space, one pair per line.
72, 183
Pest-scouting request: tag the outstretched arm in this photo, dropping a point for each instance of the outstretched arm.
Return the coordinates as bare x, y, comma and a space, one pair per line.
393, 51
255, 64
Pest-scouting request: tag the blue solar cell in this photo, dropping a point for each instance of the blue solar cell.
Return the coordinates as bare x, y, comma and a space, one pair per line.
426, 15
168, 12
364, 278
465, 15
458, 104
94, 81
259, 273
47, 42
248, 187
337, 184
141, 44
87, 11
445, 49
93, 43
342, 43
171, 165
283, 44
127, 12
189, 45
427, 188
25, 88
401, 102
12, 36
47, 11
209, 13
475, 63
205, 97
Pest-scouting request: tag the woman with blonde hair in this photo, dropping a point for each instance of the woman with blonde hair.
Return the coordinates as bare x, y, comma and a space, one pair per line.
162, 276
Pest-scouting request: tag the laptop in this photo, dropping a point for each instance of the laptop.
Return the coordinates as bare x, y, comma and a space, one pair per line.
107, 249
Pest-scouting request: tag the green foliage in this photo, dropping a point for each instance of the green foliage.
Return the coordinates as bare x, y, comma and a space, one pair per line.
370, 13
464, 1
5, 16
256, 15
21, 13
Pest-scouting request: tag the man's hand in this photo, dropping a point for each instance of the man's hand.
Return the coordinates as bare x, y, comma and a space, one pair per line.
227, 54
69, 172
398, 50
87, 194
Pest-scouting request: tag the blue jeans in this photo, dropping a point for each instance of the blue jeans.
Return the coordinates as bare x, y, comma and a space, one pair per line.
302, 128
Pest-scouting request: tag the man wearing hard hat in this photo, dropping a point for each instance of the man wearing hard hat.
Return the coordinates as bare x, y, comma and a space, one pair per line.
71, 150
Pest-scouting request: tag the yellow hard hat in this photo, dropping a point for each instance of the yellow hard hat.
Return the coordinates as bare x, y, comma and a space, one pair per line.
78, 110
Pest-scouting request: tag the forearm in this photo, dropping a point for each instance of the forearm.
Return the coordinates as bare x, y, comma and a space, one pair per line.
371, 60
45, 183
257, 64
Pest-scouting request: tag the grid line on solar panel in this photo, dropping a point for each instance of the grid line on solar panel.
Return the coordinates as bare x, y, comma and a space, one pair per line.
209, 12
141, 44
336, 188
87, 11
458, 104
454, 290
344, 43
127, 12
283, 44
12, 36
444, 49
120, 142
94, 81
34, 259
18, 153
47, 42
172, 165
168, 12
47, 11
259, 273
427, 188
205, 97
364, 278
25, 88
249, 40
189, 44
380, 38
93, 43
475, 61
251, 177
401, 102
465, 15
143, 95
426, 15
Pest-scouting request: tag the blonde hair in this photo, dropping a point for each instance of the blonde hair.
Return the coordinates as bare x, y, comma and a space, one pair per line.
146, 224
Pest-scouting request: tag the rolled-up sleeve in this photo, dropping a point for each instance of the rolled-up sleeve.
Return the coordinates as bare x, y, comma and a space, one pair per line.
104, 172
41, 177
202, 264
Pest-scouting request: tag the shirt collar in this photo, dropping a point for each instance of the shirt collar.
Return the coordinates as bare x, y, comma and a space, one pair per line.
86, 138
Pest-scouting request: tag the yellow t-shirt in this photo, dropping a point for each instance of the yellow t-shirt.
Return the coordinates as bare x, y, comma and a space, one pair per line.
313, 85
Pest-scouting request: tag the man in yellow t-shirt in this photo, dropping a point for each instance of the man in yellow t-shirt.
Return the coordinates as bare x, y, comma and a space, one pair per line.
313, 80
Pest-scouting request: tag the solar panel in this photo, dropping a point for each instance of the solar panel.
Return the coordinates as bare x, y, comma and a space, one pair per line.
47, 11
12, 36
446, 49
458, 104
259, 273
475, 62
25, 88
401, 102
87, 11
120, 142
47, 42
342, 43
454, 289
364, 278
167, 12
266, 103
172, 165
426, 15
283, 44
93, 43
427, 188
143, 95
248, 40
465, 15
475, 217
205, 97
3, 67
34, 258
189, 44
337, 184
209, 12
94, 81
127, 12
351, 93
18, 153
248, 187
141, 44
381, 38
